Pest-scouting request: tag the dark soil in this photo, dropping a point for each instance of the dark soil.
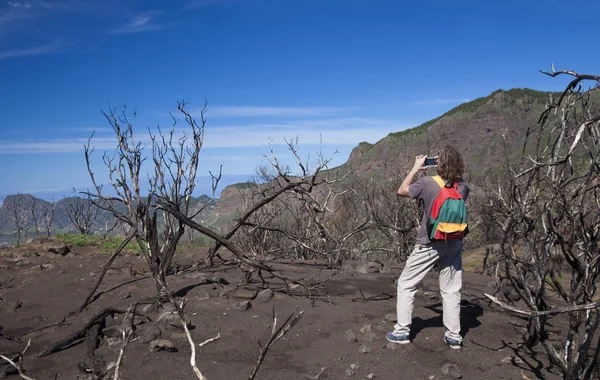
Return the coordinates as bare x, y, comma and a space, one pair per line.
33, 295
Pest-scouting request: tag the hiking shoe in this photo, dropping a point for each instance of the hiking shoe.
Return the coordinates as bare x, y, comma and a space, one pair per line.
453, 343
400, 339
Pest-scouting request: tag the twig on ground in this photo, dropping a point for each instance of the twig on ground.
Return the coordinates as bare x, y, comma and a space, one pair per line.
276, 334
376, 297
126, 338
195, 368
536, 313
17, 366
209, 340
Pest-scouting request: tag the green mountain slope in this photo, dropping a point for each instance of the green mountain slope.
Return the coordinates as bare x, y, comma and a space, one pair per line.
476, 128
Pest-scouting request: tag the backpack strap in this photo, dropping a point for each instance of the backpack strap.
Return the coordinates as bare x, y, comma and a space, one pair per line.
439, 180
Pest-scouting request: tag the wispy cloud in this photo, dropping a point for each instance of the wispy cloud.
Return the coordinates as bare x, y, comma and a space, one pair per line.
333, 132
326, 132
143, 22
53, 146
439, 101
256, 111
14, 11
196, 4
50, 48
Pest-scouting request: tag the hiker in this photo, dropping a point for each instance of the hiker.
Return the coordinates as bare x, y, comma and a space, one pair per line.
438, 242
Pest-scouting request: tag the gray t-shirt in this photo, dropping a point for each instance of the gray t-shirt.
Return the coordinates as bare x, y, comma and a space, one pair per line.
426, 190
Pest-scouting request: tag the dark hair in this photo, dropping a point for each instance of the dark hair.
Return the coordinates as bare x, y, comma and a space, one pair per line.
451, 165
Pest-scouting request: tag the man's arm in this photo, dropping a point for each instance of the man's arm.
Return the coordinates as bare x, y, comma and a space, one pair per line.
418, 165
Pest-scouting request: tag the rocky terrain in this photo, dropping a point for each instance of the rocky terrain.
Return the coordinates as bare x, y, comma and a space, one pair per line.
340, 334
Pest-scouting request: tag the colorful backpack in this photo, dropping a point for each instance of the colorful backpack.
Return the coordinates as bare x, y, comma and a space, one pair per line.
448, 218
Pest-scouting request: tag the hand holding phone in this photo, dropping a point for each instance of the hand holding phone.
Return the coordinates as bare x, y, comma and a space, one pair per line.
431, 161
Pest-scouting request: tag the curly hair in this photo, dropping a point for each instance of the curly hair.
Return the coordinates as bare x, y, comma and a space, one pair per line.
451, 164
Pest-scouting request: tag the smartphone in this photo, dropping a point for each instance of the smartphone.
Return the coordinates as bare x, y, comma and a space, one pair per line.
431, 161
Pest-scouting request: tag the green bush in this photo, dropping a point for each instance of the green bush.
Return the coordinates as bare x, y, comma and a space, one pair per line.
109, 243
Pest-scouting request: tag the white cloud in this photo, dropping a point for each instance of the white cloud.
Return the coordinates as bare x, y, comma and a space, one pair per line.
342, 131
19, 4
196, 4
255, 111
54, 47
439, 101
143, 22
54, 146
332, 132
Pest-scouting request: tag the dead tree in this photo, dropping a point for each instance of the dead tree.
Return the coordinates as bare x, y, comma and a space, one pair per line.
284, 183
34, 217
82, 213
550, 211
18, 213
173, 164
318, 214
47, 212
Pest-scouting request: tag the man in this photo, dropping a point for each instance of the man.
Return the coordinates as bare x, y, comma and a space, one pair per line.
427, 252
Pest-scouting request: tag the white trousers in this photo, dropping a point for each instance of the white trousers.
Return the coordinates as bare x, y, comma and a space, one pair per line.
420, 261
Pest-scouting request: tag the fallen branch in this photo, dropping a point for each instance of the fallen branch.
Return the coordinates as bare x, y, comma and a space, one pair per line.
276, 334
17, 366
96, 319
106, 267
126, 338
197, 371
209, 340
376, 297
537, 313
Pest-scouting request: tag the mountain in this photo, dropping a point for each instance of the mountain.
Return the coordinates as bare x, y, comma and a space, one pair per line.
475, 128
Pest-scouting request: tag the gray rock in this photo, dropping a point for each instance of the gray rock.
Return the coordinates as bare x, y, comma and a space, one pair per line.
149, 308
171, 319
150, 333
22, 262
4, 266
349, 372
365, 329
244, 305
226, 290
350, 337
391, 346
29, 254
115, 332
392, 317
451, 370
370, 336
162, 345
168, 307
363, 349
140, 320
264, 295
57, 247
431, 295
47, 266
368, 267
202, 295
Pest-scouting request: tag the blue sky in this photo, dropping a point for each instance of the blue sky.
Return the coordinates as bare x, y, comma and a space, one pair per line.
331, 72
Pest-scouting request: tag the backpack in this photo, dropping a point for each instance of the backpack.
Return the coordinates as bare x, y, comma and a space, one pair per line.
448, 218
